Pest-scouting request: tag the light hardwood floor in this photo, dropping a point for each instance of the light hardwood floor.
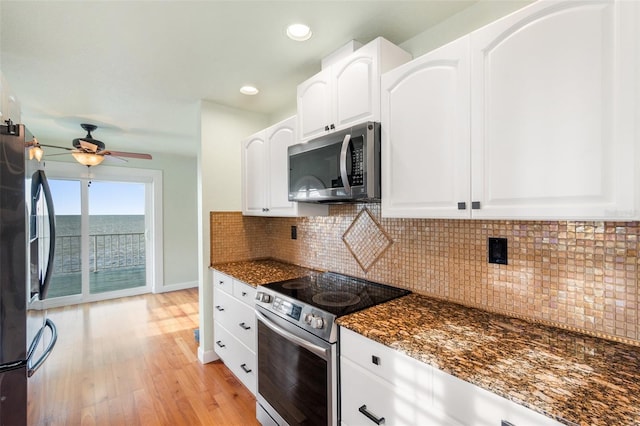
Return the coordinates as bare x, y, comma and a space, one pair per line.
132, 361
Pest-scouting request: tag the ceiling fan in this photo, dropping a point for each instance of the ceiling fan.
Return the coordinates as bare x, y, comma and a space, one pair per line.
91, 152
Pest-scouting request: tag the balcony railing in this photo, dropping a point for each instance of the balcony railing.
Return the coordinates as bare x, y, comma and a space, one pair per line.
106, 252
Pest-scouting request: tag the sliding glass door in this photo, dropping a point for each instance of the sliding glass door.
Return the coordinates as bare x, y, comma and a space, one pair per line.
105, 231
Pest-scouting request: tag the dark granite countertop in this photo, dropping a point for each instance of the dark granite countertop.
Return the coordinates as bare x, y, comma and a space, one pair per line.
261, 271
574, 378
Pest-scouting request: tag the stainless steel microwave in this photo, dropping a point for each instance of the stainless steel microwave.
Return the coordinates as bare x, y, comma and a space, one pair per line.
339, 167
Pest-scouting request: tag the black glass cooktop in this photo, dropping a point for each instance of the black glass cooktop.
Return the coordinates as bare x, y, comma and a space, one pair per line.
335, 293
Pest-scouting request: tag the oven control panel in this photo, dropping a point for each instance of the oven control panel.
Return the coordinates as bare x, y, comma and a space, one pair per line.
287, 308
303, 315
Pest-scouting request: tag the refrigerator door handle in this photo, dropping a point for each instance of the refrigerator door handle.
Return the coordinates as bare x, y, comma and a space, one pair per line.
32, 366
40, 183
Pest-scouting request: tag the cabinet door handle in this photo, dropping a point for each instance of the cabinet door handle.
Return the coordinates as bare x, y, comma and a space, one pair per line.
244, 367
326, 128
220, 308
376, 420
462, 205
221, 282
375, 359
219, 343
244, 326
475, 205
506, 423
244, 293
332, 127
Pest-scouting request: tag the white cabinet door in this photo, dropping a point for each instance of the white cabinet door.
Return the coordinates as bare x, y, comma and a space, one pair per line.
347, 92
552, 100
279, 138
265, 174
254, 170
356, 88
315, 105
425, 135
552, 112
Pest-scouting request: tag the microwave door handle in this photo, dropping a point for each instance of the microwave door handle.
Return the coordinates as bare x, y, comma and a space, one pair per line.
343, 163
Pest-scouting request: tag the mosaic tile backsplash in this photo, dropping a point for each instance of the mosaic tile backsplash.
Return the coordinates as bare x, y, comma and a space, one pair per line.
577, 275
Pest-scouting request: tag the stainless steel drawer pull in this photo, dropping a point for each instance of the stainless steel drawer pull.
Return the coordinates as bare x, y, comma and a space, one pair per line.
220, 308
376, 420
244, 326
244, 367
219, 343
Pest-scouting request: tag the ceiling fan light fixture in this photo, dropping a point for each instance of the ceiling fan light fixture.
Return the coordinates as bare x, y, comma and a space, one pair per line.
299, 32
87, 159
249, 90
36, 152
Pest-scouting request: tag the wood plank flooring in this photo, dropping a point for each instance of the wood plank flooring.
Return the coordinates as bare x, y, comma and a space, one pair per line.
132, 361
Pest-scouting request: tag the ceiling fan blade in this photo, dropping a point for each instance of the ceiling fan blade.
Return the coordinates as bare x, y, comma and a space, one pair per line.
127, 154
113, 159
54, 146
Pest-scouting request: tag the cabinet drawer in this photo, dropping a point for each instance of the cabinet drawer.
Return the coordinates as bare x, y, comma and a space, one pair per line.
224, 342
383, 361
223, 282
244, 326
223, 307
238, 358
364, 392
244, 292
238, 318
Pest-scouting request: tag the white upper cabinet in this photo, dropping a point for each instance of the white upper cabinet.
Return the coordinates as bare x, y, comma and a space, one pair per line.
347, 92
425, 135
552, 101
552, 113
265, 187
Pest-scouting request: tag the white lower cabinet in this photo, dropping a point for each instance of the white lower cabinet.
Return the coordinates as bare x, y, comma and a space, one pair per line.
381, 385
234, 327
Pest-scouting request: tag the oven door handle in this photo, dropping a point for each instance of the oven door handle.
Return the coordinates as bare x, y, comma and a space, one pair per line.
315, 349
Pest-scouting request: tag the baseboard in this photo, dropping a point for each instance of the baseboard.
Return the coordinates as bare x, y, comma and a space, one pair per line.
178, 286
206, 357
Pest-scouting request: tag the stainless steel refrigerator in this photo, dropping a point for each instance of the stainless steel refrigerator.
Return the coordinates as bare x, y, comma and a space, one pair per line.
27, 243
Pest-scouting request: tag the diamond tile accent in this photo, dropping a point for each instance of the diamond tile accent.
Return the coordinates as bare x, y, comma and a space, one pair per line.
366, 239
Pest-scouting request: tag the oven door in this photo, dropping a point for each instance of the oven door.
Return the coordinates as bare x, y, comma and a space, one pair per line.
297, 375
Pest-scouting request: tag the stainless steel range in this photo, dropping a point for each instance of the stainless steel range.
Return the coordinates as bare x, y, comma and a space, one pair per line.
297, 344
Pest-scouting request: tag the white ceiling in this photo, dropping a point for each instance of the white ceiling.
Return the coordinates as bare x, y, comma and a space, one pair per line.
138, 69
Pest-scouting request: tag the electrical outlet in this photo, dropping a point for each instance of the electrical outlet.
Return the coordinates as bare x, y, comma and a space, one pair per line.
294, 232
497, 248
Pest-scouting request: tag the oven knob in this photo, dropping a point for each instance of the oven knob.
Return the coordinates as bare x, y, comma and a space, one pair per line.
317, 322
314, 321
263, 297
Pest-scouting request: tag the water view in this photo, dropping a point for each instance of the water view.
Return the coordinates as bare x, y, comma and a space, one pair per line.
116, 254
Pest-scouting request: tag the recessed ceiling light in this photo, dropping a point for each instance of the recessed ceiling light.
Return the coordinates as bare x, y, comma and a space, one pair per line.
299, 32
249, 90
